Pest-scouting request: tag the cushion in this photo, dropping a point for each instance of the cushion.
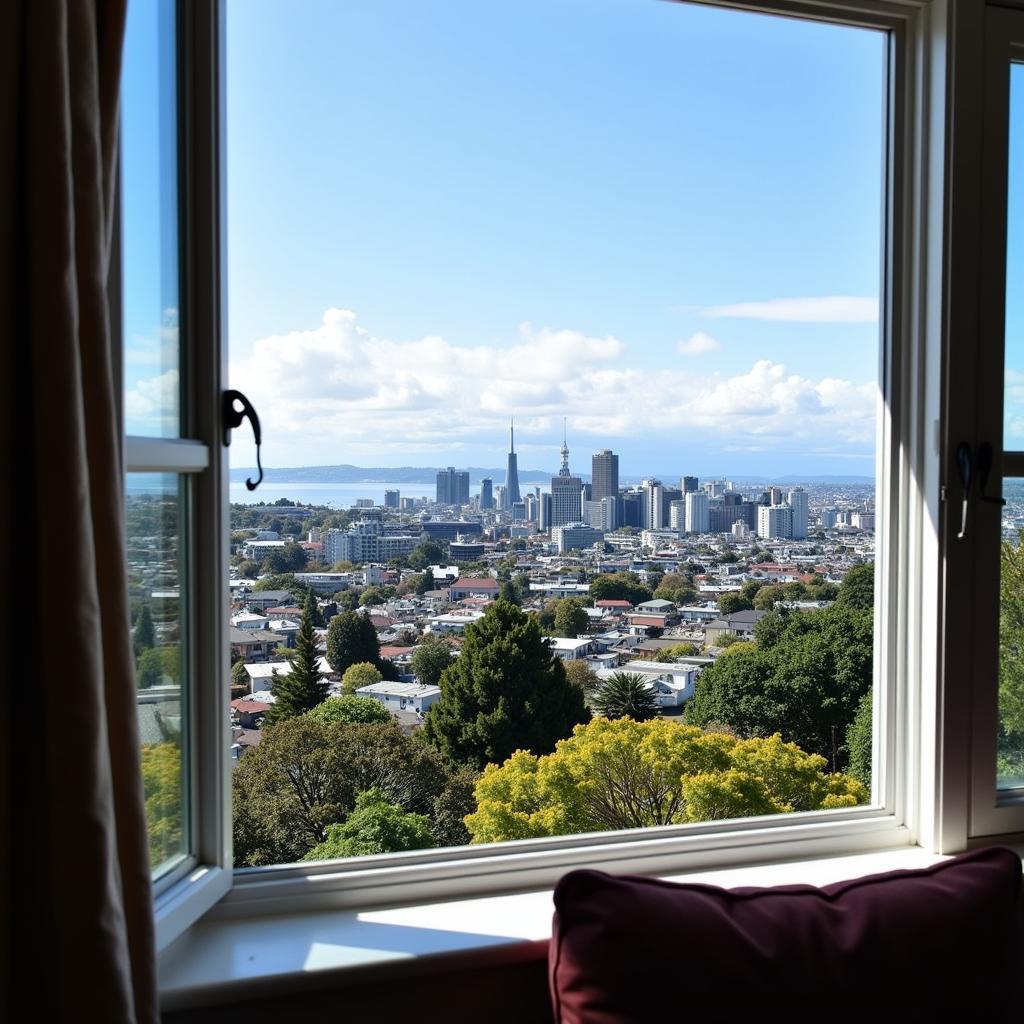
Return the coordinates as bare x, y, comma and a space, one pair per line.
923, 944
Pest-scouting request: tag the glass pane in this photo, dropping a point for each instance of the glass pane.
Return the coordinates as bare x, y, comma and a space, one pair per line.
1010, 764
149, 191
562, 323
1013, 409
154, 550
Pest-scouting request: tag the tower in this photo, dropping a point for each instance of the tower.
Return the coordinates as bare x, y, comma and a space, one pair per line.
604, 475
566, 491
512, 494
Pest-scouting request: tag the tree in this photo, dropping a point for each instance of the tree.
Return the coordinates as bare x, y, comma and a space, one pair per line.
858, 741
145, 635
159, 666
362, 673
351, 639
580, 674
1011, 657
425, 582
683, 650
161, 787
504, 692
509, 592
768, 596
350, 710
627, 774
803, 677
431, 656
626, 694
305, 776
750, 588
427, 552
347, 601
304, 686
676, 587
858, 587
371, 596
290, 558
735, 602
315, 615
238, 674
570, 618
620, 586
375, 826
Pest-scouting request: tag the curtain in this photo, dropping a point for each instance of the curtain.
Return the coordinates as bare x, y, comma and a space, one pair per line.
77, 923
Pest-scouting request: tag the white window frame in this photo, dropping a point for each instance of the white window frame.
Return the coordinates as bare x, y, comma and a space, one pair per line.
919, 795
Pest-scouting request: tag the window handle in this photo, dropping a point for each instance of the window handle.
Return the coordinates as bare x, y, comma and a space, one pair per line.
965, 464
233, 417
984, 469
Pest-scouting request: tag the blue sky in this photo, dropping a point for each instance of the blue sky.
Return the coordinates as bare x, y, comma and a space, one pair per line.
660, 220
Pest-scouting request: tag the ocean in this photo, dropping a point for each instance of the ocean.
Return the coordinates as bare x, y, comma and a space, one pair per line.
332, 495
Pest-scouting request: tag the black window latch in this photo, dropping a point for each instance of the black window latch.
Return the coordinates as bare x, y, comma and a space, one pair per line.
233, 417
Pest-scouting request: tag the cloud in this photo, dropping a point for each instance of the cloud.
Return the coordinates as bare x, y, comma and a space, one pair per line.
699, 344
824, 309
338, 393
152, 404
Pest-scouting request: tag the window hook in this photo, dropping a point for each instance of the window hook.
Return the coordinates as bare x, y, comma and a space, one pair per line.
233, 417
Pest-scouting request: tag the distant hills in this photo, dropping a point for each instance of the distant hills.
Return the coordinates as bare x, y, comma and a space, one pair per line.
345, 474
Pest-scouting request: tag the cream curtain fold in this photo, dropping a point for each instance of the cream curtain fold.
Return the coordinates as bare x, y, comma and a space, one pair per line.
77, 925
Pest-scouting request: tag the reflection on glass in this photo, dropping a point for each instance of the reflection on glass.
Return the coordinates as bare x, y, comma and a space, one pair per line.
153, 511
149, 217
1010, 764
1013, 410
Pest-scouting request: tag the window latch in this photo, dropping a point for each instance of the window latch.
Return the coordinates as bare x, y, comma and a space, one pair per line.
984, 469
965, 463
233, 417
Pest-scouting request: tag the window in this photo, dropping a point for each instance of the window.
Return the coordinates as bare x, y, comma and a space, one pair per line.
917, 733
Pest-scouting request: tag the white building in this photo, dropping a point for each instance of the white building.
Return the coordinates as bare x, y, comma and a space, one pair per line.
672, 684
568, 649
698, 512
573, 536
249, 620
654, 504
453, 622
797, 501
774, 521
416, 697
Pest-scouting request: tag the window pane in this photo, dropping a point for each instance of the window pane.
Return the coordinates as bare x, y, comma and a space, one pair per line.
1011, 640
562, 322
149, 190
154, 517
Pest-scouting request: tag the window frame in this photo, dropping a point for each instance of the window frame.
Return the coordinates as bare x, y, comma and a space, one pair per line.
916, 797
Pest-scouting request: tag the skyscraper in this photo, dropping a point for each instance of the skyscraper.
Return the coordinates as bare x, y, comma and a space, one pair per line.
688, 484
797, 501
654, 504
486, 493
697, 512
566, 492
604, 475
452, 487
512, 495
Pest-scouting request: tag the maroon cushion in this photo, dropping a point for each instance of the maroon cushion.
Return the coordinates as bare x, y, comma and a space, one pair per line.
926, 944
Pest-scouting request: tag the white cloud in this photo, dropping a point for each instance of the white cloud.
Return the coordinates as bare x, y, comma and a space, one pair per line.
338, 393
152, 404
824, 309
699, 344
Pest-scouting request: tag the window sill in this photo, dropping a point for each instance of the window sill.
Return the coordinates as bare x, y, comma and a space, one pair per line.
219, 961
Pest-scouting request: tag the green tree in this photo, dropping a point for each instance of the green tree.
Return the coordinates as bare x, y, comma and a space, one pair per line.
427, 552
804, 677
347, 601
734, 602
161, 786
627, 774
620, 586
375, 826
238, 674
570, 618
670, 654
290, 558
305, 776
580, 674
351, 639
509, 592
159, 666
626, 694
858, 741
504, 692
349, 710
750, 588
858, 587
303, 687
425, 582
431, 656
676, 587
313, 608
371, 596
145, 635
362, 673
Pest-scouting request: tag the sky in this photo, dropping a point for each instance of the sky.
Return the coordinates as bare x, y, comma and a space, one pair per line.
660, 221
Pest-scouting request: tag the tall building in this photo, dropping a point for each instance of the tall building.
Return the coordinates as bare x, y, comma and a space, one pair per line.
392, 499
775, 496
512, 495
697, 514
544, 523
486, 493
774, 521
654, 504
452, 487
631, 506
677, 514
604, 475
688, 484
566, 492
797, 501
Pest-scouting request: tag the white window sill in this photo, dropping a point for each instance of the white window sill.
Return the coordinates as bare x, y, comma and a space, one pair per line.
219, 961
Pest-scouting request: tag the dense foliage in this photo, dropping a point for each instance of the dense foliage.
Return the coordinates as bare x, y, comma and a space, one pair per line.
504, 691
620, 586
351, 639
303, 687
626, 774
431, 656
375, 826
161, 786
350, 710
625, 695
